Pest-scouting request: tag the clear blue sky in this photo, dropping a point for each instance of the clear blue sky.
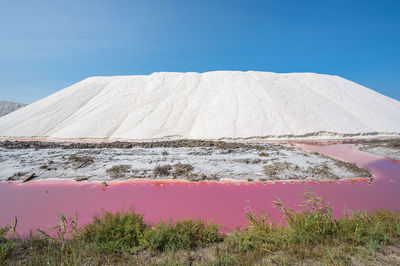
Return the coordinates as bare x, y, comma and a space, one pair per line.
48, 45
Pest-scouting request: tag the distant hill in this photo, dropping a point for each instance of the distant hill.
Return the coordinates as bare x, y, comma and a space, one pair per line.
8, 107
211, 105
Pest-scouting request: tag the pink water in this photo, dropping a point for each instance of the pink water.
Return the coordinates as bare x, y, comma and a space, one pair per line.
37, 203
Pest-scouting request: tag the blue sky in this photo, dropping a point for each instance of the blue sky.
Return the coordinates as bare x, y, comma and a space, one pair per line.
46, 46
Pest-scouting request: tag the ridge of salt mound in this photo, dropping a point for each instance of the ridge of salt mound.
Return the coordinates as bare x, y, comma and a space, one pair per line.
210, 105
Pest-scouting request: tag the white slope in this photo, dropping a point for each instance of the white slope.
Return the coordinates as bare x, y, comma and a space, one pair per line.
8, 107
211, 105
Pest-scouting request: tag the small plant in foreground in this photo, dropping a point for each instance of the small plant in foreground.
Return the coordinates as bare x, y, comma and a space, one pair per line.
315, 226
65, 229
315, 223
117, 232
185, 234
7, 243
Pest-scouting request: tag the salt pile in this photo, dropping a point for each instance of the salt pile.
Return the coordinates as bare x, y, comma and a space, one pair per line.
8, 107
211, 105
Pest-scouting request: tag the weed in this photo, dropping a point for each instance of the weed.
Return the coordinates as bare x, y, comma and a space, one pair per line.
7, 244
353, 168
163, 170
80, 161
185, 234
65, 228
272, 170
315, 226
118, 171
322, 171
115, 232
181, 170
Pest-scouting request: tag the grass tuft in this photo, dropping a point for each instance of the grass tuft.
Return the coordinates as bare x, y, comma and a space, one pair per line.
117, 232
185, 234
164, 170
182, 170
7, 243
118, 171
309, 233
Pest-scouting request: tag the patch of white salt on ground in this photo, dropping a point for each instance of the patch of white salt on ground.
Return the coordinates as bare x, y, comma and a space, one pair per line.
275, 162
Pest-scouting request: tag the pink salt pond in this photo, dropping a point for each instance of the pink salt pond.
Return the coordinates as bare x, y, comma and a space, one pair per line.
37, 203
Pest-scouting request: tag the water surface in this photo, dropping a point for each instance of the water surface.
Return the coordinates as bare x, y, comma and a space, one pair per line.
37, 203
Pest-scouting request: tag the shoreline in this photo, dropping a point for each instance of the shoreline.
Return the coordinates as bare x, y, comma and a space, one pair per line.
224, 181
189, 160
308, 137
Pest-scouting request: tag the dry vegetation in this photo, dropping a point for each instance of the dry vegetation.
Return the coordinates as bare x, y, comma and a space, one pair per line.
176, 171
118, 171
80, 161
394, 144
163, 170
353, 168
272, 171
181, 170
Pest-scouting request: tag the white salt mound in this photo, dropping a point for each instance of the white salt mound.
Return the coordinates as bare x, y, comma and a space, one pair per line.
211, 105
8, 107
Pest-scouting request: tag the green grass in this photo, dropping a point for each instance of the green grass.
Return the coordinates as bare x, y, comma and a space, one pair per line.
315, 225
309, 236
118, 232
7, 243
185, 234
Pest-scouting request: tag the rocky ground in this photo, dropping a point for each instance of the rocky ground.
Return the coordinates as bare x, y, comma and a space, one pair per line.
191, 160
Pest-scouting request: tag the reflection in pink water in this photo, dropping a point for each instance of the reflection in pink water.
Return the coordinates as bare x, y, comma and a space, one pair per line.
37, 204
